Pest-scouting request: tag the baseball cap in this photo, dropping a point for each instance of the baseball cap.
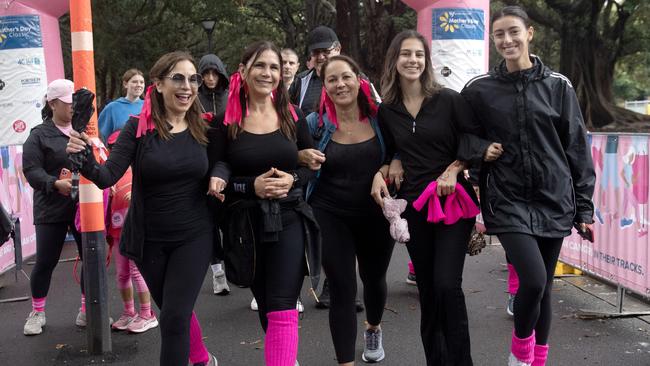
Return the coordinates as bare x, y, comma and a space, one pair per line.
61, 89
321, 37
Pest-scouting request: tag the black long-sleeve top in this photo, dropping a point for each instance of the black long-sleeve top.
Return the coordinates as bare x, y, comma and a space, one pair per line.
428, 143
168, 199
250, 155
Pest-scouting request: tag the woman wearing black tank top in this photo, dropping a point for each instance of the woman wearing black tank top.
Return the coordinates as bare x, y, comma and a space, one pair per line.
353, 227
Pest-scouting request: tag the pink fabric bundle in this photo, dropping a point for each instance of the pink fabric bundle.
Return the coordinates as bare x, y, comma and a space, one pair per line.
399, 228
459, 205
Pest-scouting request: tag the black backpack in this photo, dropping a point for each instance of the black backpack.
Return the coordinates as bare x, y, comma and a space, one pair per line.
6, 225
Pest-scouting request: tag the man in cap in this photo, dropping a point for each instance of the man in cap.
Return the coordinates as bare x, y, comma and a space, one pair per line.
305, 92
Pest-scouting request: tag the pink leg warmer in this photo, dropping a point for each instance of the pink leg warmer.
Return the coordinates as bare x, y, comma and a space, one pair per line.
38, 304
281, 342
541, 354
411, 269
523, 348
513, 280
198, 352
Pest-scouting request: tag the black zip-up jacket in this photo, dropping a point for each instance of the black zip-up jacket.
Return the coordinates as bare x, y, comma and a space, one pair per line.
43, 158
544, 181
214, 100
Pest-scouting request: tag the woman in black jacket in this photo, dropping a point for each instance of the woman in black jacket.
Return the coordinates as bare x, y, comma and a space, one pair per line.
46, 167
539, 178
169, 228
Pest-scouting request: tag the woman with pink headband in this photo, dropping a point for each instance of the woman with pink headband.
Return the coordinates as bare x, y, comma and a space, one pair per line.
260, 135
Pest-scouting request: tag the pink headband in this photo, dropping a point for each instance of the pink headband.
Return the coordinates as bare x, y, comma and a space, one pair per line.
145, 122
234, 112
328, 106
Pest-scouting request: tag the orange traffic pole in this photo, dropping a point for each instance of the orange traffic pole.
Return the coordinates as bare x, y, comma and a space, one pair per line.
90, 197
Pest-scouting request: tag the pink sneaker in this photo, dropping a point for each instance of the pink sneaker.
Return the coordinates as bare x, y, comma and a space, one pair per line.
123, 322
141, 325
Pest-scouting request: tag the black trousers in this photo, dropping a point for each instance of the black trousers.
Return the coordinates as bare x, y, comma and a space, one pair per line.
346, 240
279, 267
534, 259
174, 273
49, 243
438, 255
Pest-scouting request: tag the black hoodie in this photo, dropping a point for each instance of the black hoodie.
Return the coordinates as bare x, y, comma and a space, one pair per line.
214, 100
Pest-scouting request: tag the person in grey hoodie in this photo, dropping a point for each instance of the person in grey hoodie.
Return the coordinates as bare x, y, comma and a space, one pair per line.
214, 91
213, 94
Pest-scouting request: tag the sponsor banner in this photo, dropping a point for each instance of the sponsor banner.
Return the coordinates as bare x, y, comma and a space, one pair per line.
458, 47
620, 251
23, 78
16, 197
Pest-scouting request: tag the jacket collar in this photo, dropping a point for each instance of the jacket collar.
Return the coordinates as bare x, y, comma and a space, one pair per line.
537, 72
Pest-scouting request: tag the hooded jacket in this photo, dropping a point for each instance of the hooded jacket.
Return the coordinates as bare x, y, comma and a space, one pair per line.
43, 158
544, 181
115, 115
213, 100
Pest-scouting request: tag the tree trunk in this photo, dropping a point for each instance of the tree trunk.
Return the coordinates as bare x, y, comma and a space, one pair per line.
348, 28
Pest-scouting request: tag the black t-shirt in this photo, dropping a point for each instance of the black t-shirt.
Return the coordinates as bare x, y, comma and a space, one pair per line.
346, 178
174, 188
250, 155
428, 143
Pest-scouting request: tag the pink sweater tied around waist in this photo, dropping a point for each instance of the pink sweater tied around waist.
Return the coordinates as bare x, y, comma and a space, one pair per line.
458, 205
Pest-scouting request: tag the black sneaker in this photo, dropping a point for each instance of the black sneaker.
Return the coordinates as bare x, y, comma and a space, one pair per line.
411, 280
359, 306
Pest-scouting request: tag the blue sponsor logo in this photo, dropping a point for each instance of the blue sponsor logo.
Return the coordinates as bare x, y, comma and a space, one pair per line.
20, 31
450, 23
29, 61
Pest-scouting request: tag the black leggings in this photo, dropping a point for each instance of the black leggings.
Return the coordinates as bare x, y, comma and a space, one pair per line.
534, 259
49, 243
174, 273
438, 255
279, 267
346, 240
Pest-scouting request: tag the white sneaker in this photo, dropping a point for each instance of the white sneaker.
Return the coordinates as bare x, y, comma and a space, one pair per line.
513, 361
254, 305
81, 319
220, 284
510, 308
299, 306
141, 325
35, 323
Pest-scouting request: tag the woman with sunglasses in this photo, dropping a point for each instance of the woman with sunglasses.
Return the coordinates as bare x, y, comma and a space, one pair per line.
261, 135
168, 230
537, 178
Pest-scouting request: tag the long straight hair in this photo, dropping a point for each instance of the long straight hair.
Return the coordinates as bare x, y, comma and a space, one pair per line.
195, 123
280, 101
390, 84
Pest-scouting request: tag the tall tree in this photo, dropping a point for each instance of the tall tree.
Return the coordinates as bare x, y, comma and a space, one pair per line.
594, 36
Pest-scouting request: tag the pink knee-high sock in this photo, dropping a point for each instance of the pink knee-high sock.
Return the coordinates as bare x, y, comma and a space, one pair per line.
83, 303
411, 269
146, 313
523, 348
198, 352
281, 342
541, 354
38, 304
513, 280
129, 307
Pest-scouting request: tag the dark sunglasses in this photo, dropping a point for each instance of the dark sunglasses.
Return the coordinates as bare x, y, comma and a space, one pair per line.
179, 79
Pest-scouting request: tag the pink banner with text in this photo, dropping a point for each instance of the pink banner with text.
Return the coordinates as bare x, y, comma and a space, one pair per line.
16, 197
620, 251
